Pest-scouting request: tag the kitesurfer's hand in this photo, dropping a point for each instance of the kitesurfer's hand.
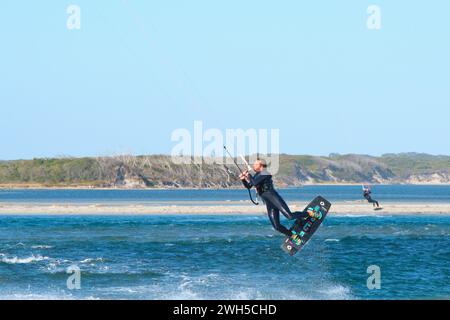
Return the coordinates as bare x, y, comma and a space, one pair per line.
244, 175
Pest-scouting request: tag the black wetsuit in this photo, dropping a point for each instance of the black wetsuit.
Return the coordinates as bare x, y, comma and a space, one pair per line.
367, 195
274, 202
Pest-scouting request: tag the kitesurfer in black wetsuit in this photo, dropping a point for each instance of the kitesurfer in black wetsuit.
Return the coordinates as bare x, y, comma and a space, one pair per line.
367, 194
262, 181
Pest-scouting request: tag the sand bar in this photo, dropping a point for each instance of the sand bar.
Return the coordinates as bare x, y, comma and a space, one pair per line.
219, 207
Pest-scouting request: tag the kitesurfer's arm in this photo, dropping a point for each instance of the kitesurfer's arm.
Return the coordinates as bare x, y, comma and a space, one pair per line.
255, 180
246, 184
250, 181
244, 177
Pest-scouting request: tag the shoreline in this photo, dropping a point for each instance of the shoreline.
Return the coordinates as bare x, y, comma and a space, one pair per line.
41, 187
352, 208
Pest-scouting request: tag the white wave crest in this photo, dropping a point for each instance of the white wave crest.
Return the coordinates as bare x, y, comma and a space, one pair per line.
17, 260
41, 247
336, 292
90, 260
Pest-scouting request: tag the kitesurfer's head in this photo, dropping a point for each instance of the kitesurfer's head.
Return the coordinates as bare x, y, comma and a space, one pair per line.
259, 165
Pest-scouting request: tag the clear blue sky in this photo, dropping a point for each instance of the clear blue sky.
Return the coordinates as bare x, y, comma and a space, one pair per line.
137, 70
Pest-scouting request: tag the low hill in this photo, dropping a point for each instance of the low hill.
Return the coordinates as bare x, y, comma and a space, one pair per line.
157, 171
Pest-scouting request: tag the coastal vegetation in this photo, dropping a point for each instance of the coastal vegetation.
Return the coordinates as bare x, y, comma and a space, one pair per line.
159, 171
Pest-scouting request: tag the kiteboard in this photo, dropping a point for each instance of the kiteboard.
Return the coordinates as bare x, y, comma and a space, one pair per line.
303, 229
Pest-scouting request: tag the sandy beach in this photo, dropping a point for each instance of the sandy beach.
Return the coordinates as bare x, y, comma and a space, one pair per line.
211, 207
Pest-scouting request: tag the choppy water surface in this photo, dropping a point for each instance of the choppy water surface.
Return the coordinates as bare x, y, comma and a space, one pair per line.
221, 257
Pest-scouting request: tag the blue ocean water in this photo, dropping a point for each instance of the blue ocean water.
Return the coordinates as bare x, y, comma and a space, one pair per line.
383, 193
221, 257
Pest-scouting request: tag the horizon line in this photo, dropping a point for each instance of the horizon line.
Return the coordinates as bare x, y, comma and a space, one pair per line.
330, 155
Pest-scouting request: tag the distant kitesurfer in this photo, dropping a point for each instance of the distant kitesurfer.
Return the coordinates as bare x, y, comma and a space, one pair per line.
262, 181
367, 194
